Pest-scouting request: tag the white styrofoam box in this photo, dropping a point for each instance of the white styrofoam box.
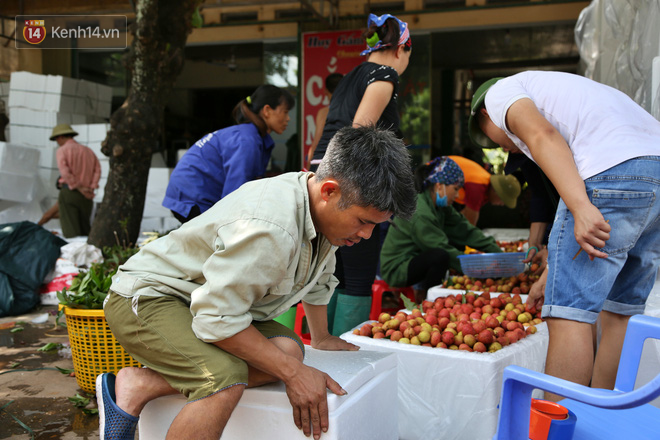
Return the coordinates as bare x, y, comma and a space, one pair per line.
158, 179
48, 119
26, 116
59, 103
84, 105
170, 223
158, 160
35, 136
11, 212
105, 165
507, 234
87, 90
104, 93
159, 224
27, 81
18, 158
60, 85
59, 94
17, 187
79, 119
97, 132
21, 98
265, 412
47, 157
149, 224
156, 187
438, 291
450, 393
83, 135
48, 178
96, 148
180, 153
98, 194
104, 109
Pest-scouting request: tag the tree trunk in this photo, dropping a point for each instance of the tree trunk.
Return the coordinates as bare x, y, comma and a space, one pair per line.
160, 33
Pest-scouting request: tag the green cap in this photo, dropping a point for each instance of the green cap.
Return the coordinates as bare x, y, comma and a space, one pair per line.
476, 135
507, 188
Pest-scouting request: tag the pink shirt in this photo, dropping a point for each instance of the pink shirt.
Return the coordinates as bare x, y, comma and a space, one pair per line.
78, 166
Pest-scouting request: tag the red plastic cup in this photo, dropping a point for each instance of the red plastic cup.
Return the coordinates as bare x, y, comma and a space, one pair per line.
543, 413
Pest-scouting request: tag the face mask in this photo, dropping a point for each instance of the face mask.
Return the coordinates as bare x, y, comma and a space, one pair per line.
440, 202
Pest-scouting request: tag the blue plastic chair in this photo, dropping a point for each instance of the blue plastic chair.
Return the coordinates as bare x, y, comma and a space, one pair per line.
601, 414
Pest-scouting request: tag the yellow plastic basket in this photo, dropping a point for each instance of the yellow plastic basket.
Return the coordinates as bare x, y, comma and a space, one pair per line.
94, 348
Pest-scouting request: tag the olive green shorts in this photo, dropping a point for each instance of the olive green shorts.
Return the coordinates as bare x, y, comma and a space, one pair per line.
158, 334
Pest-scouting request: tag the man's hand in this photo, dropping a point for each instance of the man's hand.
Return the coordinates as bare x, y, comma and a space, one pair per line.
317, 319
540, 258
86, 191
537, 291
307, 393
333, 343
591, 230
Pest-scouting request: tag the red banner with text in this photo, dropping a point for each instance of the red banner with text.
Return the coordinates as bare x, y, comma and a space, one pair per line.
324, 53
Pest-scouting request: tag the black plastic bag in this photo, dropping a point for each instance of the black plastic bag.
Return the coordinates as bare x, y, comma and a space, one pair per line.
28, 253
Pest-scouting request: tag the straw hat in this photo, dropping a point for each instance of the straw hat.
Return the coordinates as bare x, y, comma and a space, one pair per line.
507, 187
62, 130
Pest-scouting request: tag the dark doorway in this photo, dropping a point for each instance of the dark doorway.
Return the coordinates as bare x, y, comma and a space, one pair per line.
212, 108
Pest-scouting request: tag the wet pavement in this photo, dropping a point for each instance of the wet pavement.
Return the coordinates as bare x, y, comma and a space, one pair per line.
34, 394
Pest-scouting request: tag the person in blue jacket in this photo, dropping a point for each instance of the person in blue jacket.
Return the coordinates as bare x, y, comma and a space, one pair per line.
222, 161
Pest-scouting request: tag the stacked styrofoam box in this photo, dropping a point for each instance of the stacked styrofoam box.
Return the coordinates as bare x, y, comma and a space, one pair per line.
452, 394
60, 94
370, 379
155, 216
21, 190
38, 103
18, 169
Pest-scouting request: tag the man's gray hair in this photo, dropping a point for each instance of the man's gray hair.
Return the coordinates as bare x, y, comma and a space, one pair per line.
373, 169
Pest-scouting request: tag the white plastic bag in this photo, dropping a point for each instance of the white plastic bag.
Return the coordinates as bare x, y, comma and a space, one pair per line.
81, 253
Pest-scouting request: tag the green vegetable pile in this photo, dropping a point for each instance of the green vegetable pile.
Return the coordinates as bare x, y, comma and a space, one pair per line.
89, 289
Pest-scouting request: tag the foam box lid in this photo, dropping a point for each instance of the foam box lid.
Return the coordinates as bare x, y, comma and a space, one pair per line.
350, 369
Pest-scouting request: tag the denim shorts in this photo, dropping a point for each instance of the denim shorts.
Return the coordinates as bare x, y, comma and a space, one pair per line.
627, 196
157, 332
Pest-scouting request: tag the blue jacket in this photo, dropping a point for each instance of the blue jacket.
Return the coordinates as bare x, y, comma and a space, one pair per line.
216, 165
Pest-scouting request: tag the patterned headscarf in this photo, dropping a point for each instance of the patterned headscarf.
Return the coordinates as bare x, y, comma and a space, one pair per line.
374, 43
445, 171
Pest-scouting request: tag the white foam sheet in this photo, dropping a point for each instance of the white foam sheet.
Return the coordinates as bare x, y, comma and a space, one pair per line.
451, 394
369, 377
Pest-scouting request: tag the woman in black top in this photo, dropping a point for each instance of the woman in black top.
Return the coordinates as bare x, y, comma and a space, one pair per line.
365, 96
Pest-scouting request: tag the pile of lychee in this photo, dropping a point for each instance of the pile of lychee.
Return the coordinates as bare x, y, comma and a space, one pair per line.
470, 322
511, 246
516, 284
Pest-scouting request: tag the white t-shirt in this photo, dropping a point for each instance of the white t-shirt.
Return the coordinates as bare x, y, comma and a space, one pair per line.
602, 126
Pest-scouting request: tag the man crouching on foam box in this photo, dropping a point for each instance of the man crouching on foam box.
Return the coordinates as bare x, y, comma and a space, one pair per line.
196, 307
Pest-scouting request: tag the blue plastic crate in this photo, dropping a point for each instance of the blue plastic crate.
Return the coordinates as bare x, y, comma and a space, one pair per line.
505, 264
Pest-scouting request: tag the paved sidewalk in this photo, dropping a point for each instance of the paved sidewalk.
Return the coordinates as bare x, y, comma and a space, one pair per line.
39, 398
